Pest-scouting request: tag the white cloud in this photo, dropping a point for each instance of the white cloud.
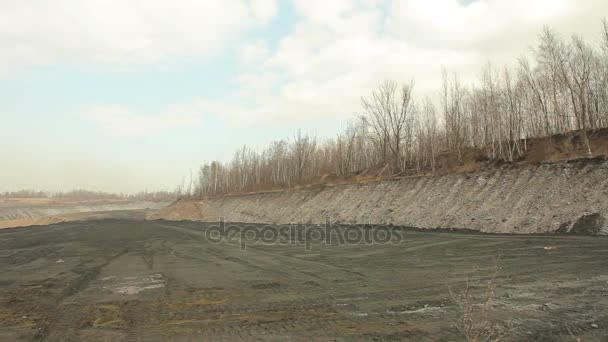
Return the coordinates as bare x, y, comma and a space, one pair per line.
253, 52
340, 49
336, 52
124, 32
484, 24
120, 121
264, 9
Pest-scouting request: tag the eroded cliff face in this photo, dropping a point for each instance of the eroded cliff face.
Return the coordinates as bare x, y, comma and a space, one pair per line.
25, 210
566, 197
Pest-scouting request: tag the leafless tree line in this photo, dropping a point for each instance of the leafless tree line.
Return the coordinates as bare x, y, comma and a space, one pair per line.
561, 86
91, 195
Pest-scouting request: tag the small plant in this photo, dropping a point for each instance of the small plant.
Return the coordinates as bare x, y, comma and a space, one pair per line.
473, 321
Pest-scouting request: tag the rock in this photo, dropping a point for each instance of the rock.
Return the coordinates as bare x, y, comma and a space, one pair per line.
595, 326
563, 228
588, 224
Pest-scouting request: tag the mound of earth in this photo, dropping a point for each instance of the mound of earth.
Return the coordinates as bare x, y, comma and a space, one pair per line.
22, 212
184, 210
89, 216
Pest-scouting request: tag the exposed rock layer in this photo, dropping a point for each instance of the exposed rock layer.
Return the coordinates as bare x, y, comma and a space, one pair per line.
12, 210
34, 212
565, 197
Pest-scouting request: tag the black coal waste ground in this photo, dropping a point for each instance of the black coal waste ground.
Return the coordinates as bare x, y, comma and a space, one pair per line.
127, 280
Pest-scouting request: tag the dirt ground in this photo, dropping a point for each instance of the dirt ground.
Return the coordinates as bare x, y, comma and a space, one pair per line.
23, 212
129, 280
86, 216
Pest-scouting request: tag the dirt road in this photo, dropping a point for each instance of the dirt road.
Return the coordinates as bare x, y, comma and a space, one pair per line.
124, 280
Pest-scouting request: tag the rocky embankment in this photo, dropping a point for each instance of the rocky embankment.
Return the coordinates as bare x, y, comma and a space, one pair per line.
28, 212
564, 197
11, 210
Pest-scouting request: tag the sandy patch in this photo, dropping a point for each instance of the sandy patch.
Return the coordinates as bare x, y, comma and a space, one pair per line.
134, 285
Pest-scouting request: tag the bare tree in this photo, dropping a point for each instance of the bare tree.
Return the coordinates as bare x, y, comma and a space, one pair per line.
374, 114
302, 149
389, 111
605, 36
453, 97
576, 76
561, 86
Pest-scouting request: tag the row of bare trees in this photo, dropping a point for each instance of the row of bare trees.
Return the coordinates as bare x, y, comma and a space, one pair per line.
81, 194
561, 86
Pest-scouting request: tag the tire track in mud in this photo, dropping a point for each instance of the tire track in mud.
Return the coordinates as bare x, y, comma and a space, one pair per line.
65, 319
254, 320
52, 312
87, 274
274, 263
229, 322
213, 292
282, 318
275, 328
148, 256
249, 324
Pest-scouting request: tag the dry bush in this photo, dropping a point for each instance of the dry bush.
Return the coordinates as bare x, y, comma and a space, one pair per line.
474, 322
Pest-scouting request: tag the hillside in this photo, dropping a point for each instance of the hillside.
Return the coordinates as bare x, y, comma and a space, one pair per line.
21, 212
559, 197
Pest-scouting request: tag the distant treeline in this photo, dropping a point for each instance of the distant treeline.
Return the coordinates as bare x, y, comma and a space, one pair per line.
562, 86
90, 195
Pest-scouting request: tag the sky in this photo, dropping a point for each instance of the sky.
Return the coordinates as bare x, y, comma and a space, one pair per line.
131, 95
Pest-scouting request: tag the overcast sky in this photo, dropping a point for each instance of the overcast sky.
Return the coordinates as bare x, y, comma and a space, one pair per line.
124, 95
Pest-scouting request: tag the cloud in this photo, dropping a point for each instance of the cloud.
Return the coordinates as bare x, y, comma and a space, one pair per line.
339, 50
120, 121
264, 9
336, 51
123, 32
486, 24
253, 52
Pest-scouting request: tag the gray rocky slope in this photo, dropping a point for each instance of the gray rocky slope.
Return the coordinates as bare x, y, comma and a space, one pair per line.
558, 197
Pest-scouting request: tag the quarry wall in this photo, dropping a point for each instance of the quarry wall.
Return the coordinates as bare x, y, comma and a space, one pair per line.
563, 197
